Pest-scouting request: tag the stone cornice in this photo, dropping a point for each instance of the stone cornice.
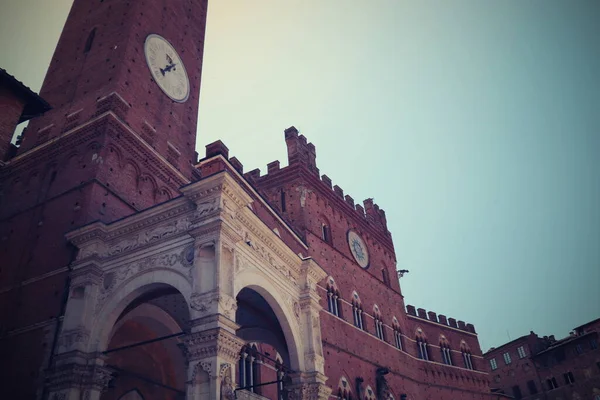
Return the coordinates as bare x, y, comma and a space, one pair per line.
250, 189
144, 219
136, 146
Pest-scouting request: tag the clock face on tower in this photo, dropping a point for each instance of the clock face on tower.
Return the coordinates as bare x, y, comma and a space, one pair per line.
167, 68
358, 249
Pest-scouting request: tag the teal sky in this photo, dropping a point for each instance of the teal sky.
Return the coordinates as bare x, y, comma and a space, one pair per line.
474, 124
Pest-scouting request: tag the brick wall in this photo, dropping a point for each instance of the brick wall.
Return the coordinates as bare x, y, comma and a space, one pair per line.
11, 108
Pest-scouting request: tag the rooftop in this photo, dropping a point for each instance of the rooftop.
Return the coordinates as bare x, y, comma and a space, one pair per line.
34, 104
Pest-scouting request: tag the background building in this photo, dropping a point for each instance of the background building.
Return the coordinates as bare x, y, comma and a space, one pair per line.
531, 367
131, 270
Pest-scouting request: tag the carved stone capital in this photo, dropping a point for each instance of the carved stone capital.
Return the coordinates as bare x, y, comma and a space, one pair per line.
87, 273
68, 376
308, 386
211, 343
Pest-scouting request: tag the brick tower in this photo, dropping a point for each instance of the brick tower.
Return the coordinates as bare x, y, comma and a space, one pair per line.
124, 86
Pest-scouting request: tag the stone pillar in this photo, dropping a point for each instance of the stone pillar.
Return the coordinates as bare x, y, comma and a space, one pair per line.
78, 377
311, 383
212, 358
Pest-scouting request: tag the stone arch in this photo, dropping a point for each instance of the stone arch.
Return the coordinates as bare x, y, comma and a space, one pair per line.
132, 395
113, 156
123, 295
275, 299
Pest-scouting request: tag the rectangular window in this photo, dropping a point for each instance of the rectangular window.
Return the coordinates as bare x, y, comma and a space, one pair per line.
593, 344
569, 378
325, 233
517, 392
551, 383
521, 351
532, 388
493, 364
507, 359
579, 349
282, 196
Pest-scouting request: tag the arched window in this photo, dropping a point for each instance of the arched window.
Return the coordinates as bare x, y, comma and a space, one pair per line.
344, 389
334, 301
445, 349
357, 311
378, 323
370, 394
90, 41
249, 368
325, 227
397, 333
423, 352
466, 354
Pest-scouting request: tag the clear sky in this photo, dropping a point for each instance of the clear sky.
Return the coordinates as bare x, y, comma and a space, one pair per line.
474, 124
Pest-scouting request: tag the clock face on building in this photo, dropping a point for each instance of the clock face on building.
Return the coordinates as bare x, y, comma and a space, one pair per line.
167, 68
358, 249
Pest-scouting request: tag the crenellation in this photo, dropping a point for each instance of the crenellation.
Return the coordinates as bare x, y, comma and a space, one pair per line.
215, 148
349, 200
252, 175
237, 165
360, 210
339, 191
273, 166
326, 180
439, 319
432, 316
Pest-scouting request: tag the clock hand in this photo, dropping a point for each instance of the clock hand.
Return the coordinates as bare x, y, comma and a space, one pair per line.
168, 68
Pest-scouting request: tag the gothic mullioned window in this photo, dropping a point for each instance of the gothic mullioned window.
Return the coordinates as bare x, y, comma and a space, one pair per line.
378, 323
466, 354
344, 389
422, 347
249, 368
446, 352
357, 311
334, 301
397, 333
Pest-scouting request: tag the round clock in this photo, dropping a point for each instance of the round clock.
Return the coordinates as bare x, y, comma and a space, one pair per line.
358, 249
167, 68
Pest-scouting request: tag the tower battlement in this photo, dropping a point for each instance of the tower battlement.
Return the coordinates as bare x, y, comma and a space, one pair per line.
302, 155
439, 319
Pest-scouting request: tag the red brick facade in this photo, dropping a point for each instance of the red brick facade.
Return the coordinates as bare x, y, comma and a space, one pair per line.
531, 367
102, 154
